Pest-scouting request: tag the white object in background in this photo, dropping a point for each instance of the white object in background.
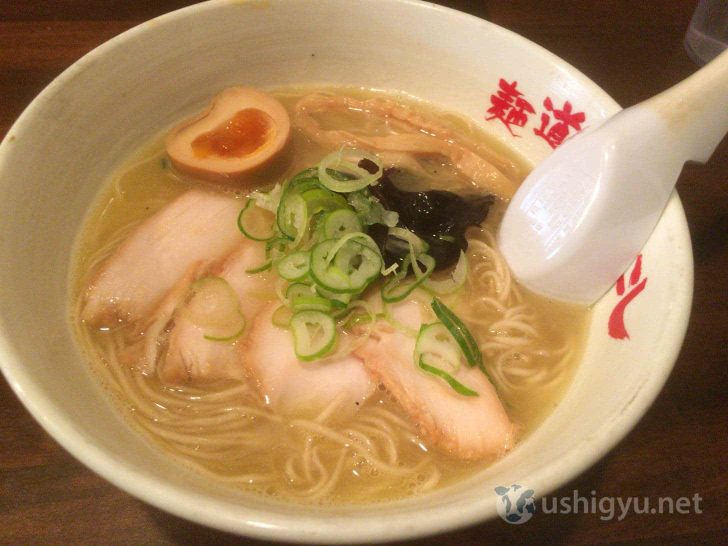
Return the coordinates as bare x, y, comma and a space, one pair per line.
582, 216
707, 34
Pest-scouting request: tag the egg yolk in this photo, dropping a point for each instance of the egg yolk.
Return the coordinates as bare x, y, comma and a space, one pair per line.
239, 136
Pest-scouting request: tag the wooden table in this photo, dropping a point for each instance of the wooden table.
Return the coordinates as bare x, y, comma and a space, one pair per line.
632, 49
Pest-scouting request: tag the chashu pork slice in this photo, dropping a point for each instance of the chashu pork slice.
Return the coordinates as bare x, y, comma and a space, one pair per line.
198, 227
466, 427
297, 388
191, 357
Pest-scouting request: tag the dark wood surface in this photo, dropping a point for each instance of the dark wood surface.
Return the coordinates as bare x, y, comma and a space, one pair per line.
632, 49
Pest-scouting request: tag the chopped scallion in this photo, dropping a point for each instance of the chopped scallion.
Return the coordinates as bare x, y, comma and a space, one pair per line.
398, 287
295, 266
254, 222
451, 284
449, 379
436, 352
459, 332
213, 306
314, 334
313, 303
341, 222
345, 162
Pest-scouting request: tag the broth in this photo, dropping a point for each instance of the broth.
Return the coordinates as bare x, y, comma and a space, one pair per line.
530, 344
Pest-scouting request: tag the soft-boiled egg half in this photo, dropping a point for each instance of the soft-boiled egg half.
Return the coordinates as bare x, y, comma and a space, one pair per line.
240, 131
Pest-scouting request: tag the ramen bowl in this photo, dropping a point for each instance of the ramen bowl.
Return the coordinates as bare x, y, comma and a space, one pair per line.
58, 154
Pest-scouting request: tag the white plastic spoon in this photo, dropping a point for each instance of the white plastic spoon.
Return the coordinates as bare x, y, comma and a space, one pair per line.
583, 215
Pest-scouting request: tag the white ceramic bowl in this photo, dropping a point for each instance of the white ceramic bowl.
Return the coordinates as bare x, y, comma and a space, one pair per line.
89, 119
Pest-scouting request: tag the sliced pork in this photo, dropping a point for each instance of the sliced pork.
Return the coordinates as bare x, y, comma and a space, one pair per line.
466, 427
197, 227
193, 357
293, 387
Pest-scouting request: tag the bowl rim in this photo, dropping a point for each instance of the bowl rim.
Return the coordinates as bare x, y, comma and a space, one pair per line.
263, 524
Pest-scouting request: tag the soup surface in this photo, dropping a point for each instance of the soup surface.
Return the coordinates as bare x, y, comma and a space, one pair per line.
226, 428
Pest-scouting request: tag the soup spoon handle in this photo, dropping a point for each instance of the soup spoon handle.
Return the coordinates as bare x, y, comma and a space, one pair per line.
696, 110
582, 216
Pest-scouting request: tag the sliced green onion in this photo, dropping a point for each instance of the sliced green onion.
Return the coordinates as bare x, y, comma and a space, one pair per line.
213, 306
277, 248
341, 222
303, 181
291, 206
429, 263
330, 278
344, 265
314, 334
228, 338
344, 162
435, 341
313, 303
416, 250
338, 305
359, 319
295, 266
337, 299
260, 268
210, 301
253, 224
280, 286
282, 317
360, 262
451, 284
299, 289
322, 200
418, 245
459, 332
436, 352
397, 288
449, 379
369, 316
363, 238
292, 216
